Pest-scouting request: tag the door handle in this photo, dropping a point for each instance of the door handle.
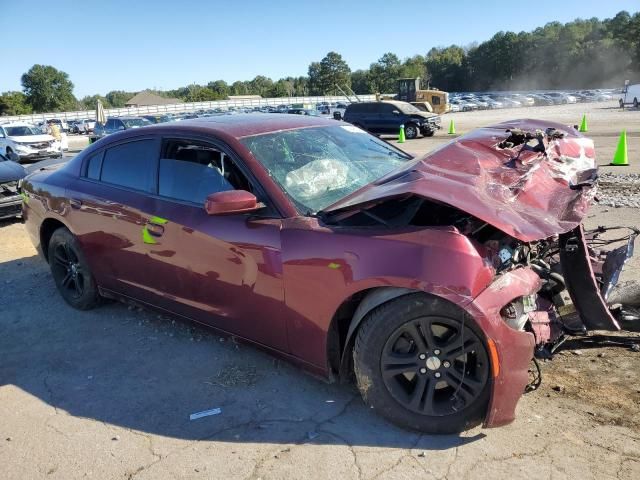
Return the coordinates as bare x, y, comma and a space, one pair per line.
75, 203
155, 229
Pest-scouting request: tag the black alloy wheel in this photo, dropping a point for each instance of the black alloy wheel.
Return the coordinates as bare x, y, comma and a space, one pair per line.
70, 271
421, 362
67, 269
434, 366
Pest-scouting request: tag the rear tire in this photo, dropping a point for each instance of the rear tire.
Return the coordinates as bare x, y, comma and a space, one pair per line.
71, 272
435, 382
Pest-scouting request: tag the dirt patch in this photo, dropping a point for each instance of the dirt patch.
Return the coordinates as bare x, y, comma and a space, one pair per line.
601, 373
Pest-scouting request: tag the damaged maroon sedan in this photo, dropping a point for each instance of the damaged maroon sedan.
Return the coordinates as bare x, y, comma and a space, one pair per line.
432, 280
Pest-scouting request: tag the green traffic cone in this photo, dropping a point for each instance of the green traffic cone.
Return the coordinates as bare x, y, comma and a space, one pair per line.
452, 128
620, 158
401, 137
583, 124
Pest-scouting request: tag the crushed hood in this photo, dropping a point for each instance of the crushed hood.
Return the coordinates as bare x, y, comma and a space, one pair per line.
530, 190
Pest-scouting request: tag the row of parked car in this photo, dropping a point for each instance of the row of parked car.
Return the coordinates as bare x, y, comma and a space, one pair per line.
464, 102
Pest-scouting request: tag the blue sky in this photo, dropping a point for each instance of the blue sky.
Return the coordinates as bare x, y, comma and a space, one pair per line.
131, 45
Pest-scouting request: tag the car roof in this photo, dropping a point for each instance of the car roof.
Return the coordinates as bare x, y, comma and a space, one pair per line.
249, 124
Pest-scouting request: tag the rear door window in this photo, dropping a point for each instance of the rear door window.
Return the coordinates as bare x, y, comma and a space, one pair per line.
131, 165
94, 165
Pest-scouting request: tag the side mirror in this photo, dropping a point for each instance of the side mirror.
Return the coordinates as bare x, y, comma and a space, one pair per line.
396, 112
231, 201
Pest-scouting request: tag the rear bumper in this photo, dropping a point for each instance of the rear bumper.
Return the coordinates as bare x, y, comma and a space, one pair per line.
514, 348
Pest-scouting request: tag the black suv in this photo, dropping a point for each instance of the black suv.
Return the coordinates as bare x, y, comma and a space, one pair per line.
386, 118
116, 124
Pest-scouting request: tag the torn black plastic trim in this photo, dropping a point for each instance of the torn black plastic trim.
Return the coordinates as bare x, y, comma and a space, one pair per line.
582, 284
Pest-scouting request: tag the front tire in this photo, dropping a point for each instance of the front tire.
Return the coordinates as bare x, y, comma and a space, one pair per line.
411, 131
71, 272
421, 362
635, 103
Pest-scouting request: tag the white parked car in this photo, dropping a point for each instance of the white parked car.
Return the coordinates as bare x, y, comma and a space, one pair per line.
492, 103
523, 99
630, 96
27, 142
510, 102
562, 97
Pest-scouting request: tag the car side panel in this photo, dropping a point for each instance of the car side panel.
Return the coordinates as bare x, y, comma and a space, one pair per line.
323, 267
108, 224
223, 271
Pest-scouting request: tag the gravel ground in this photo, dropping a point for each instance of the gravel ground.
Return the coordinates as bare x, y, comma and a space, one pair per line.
108, 393
619, 190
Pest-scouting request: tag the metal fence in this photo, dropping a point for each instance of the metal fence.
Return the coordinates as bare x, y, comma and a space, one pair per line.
182, 107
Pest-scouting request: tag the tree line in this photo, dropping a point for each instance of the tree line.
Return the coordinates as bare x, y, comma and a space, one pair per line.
579, 54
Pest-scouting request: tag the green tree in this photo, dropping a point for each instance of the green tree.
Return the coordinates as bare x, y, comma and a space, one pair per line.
220, 88
260, 85
360, 82
48, 89
239, 88
118, 98
281, 88
331, 71
384, 74
14, 103
414, 67
314, 79
89, 102
447, 68
198, 93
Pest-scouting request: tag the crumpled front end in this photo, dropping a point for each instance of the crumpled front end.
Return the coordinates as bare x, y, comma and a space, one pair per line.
511, 349
519, 192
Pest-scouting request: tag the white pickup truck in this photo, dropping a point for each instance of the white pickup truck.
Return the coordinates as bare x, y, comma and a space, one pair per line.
630, 95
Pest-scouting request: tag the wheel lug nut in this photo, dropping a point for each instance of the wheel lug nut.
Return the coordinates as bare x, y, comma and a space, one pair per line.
437, 374
422, 356
423, 370
436, 352
446, 364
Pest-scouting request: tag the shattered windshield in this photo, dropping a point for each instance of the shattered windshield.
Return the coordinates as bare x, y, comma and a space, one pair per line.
318, 166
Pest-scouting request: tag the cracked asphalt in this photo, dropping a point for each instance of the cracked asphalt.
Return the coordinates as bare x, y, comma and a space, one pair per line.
107, 394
